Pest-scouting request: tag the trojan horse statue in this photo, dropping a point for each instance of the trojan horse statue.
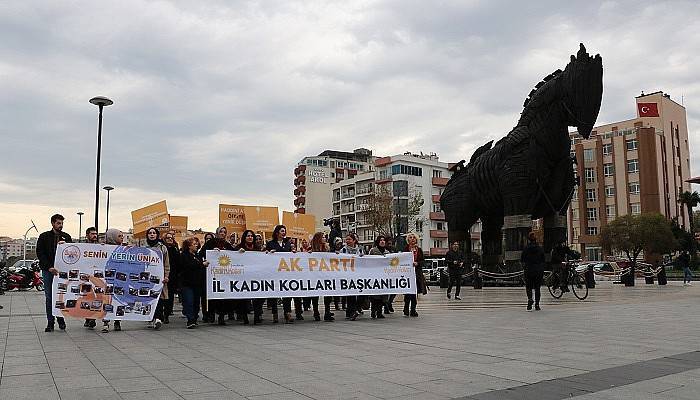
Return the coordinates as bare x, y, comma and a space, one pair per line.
528, 174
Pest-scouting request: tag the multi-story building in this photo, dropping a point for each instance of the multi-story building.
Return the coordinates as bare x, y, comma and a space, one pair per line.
634, 166
407, 176
314, 176
16, 247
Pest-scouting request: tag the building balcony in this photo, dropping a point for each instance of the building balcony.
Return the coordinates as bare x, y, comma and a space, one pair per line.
438, 233
300, 200
299, 170
438, 251
363, 207
300, 210
437, 216
440, 181
436, 198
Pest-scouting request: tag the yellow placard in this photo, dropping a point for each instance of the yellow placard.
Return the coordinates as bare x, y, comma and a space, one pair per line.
154, 215
301, 226
261, 219
232, 217
178, 225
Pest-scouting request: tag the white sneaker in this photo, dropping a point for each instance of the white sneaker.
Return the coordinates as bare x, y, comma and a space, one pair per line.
105, 328
157, 324
458, 298
690, 284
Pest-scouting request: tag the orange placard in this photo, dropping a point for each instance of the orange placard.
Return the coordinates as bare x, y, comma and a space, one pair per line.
232, 217
261, 219
300, 226
178, 225
154, 215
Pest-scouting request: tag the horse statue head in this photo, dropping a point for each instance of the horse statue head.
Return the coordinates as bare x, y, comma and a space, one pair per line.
581, 86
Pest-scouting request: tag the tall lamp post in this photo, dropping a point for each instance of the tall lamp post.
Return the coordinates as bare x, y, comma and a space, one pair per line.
80, 224
24, 243
100, 102
108, 189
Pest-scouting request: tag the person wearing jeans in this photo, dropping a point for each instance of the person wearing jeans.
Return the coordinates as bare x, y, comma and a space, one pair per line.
46, 253
454, 260
192, 275
683, 261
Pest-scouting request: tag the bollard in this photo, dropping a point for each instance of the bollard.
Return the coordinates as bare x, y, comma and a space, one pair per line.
478, 281
662, 276
590, 277
648, 276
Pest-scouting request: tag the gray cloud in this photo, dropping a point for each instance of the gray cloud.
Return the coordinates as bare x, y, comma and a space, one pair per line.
216, 101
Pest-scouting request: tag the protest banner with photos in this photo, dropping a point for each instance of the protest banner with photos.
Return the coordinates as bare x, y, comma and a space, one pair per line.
154, 215
300, 226
101, 281
232, 275
232, 217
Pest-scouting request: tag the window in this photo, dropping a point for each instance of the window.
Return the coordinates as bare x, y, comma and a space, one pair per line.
592, 214
634, 187
635, 208
632, 166
440, 226
608, 169
610, 211
574, 213
590, 195
592, 230
436, 207
401, 206
437, 244
437, 174
607, 149
406, 170
590, 174
575, 194
419, 226
588, 155
400, 188
631, 144
609, 191
575, 233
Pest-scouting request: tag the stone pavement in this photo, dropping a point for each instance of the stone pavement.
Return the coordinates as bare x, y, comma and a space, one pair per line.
636, 343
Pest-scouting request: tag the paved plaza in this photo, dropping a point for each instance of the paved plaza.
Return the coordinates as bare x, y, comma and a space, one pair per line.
621, 343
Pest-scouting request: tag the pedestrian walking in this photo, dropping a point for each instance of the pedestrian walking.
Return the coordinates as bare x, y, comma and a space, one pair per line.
455, 262
532, 259
46, 253
683, 262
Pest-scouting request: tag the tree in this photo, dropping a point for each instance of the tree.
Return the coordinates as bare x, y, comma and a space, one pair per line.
379, 213
632, 234
684, 239
389, 215
689, 200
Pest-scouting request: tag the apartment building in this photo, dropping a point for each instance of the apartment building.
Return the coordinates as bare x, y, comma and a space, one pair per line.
630, 167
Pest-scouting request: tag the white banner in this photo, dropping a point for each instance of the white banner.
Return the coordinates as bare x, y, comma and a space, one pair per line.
233, 275
101, 281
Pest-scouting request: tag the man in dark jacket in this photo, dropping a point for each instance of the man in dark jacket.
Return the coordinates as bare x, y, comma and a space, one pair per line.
90, 237
454, 260
46, 253
173, 278
532, 259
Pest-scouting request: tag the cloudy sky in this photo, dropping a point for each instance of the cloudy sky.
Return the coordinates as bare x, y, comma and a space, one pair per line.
217, 101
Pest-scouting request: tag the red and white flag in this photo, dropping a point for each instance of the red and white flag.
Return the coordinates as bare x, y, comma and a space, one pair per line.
648, 109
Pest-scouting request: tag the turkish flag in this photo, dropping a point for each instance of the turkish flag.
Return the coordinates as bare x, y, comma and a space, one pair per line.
648, 109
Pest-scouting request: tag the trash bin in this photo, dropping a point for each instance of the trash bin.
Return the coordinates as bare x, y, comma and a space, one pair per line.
477, 280
661, 276
628, 278
590, 277
648, 277
444, 279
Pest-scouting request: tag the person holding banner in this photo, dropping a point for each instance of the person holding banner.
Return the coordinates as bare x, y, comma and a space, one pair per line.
90, 237
192, 277
352, 246
410, 300
174, 256
280, 244
249, 243
220, 307
153, 242
46, 253
377, 301
113, 237
319, 244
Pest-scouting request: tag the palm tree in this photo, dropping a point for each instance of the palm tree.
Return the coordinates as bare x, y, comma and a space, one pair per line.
690, 200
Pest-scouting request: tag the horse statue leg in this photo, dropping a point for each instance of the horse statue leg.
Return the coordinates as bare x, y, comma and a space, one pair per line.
491, 242
554, 233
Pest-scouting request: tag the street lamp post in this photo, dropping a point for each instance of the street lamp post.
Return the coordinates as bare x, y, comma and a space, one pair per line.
24, 243
108, 189
100, 102
80, 224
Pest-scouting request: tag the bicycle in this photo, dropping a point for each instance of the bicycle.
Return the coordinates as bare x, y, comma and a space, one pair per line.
575, 280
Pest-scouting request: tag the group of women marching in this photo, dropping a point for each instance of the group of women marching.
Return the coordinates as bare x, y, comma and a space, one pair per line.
185, 266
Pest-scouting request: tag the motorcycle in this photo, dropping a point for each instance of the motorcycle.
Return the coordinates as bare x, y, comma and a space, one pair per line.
21, 279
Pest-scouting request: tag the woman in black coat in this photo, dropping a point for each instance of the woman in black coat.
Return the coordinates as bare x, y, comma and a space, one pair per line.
410, 301
220, 307
532, 259
280, 244
191, 281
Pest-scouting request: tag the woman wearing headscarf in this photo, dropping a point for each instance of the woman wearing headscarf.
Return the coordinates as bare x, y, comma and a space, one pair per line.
319, 245
280, 244
221, 307
114, 237
249, 243
352, 246
153, 242
192, 276
378, 301
410, 300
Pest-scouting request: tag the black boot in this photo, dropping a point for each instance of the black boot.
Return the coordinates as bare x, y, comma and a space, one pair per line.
49, 327
405, 309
